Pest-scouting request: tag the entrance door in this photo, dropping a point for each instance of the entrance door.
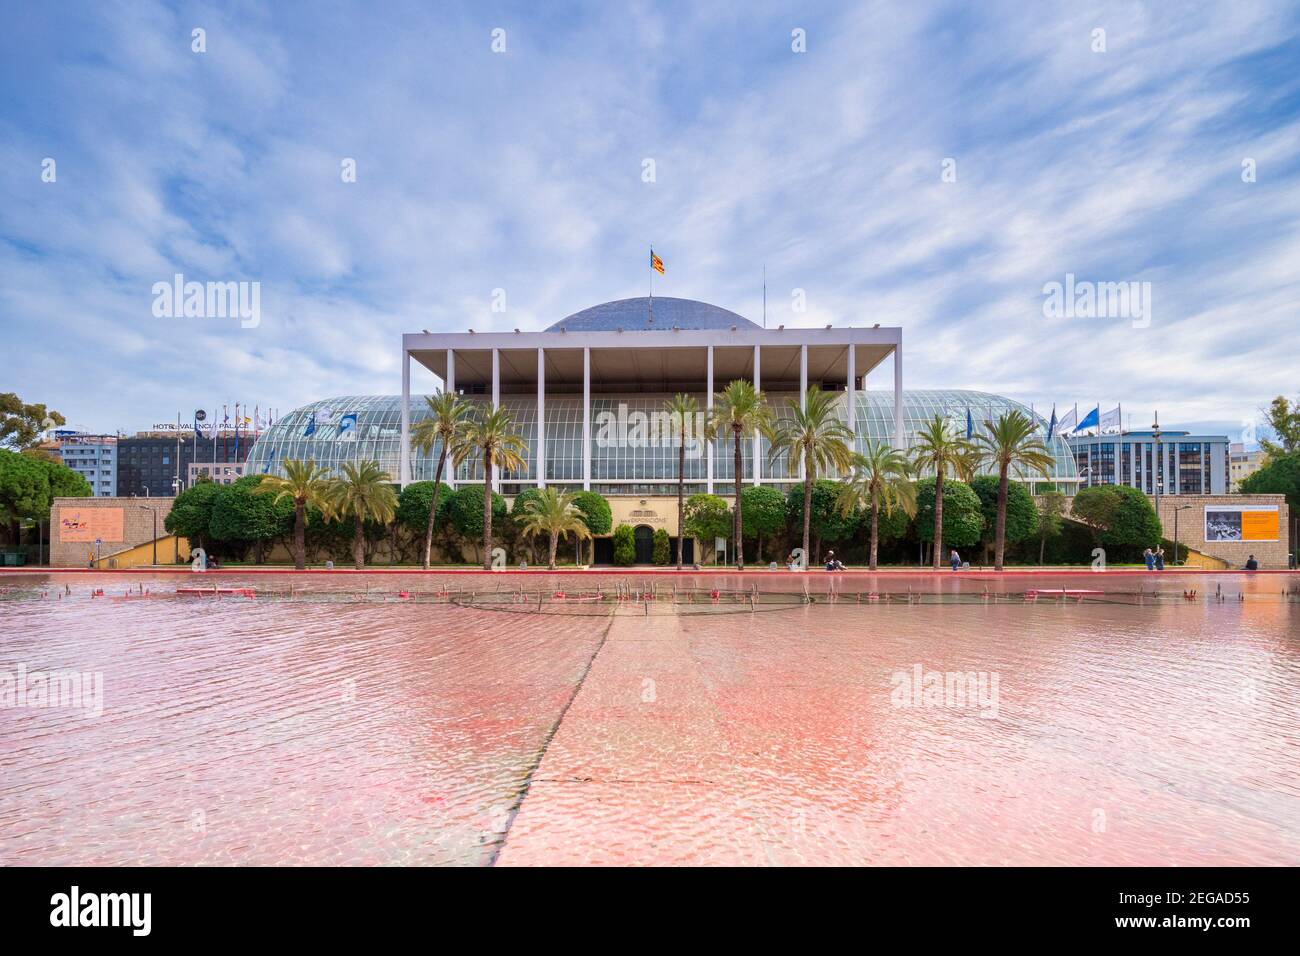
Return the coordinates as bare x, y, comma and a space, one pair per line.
604, 551
688, 551
645, 544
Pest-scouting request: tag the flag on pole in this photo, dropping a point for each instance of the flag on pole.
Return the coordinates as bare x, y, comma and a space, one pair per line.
1090, 420
1068, 421
970, 425
656, 263
1110, 422
1051, 426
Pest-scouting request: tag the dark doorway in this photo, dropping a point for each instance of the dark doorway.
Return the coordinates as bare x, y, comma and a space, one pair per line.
604, 551
645, 544
688, 551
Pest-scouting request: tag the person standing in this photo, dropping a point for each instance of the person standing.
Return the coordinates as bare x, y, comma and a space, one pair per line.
954, 559
1149, 557
1160, 559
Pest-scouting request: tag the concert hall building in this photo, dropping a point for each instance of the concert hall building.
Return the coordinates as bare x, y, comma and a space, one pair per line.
587, 395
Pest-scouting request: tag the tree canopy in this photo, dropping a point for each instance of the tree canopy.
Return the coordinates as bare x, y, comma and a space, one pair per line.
466, 510
1022, 513
963, 518
707, 517
827, 523
21, 424
1279, 476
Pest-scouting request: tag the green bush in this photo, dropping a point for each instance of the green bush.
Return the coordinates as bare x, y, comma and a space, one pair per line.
762, 514
662, 547
963, 520
191, 514
827, 524
624, 546
240, 517
595, 511
466, 511
1022, 513
413, 506
708, 517
1120, 518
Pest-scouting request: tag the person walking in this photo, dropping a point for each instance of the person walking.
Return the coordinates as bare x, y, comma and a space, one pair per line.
954, 559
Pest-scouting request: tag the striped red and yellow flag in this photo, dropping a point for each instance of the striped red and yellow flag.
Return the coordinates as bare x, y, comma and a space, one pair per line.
656, 263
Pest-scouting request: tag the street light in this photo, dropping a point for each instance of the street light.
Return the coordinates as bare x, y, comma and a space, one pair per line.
1176, 510
1155, 433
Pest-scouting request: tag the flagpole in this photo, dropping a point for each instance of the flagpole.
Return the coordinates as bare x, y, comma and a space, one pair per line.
764, 295
652, 284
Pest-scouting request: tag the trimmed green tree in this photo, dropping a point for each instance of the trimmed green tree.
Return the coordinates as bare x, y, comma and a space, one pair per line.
624, 546
662, 547
466, 512
242, 518
596, 513
1021, 518
962, 521
191, 514
826, 522
764, 515
707, 518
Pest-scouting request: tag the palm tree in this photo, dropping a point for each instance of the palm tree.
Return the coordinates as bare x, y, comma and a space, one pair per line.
740, 409
553, 513
939, 449
445, 423
881, 479
363, 491
307, 484
1011, 441
683, 408
492, 433
814, 436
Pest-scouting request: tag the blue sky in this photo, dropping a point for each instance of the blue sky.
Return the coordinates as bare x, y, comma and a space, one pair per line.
522, 171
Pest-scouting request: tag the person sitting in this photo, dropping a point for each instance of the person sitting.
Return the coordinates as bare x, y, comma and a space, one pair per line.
830, 561
1252, 564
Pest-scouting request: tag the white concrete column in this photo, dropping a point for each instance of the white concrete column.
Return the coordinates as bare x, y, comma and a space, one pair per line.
404, 458
758, 387
803, 393
853, 395
586, 419
708, 385
496, 403
496, 379
898, 396
449, 386
541, 418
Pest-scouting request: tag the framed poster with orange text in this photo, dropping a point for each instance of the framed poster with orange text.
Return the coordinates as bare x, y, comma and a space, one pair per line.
87, 524
1241, 523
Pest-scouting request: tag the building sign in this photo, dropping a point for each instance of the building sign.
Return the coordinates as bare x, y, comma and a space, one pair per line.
1241, 523
89, 524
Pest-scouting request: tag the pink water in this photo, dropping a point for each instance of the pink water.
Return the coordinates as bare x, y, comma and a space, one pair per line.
260, 732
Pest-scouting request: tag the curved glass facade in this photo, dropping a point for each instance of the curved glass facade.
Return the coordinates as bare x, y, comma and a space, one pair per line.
634, 450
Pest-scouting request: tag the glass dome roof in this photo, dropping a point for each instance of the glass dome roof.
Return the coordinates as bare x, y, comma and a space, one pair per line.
634, 315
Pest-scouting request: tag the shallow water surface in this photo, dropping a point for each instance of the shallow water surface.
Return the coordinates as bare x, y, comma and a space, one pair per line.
330, 728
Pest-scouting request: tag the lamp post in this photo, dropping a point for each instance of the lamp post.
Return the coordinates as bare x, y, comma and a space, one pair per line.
155, 530
1176, 510
1159, 471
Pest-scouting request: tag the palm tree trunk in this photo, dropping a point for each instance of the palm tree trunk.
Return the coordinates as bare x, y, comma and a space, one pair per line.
938, 518
487, 511
554, 542
875, 530
358, 542
735, 527
433, 506
1042, 549
1002, 519
681, 496
300, 535
807, 514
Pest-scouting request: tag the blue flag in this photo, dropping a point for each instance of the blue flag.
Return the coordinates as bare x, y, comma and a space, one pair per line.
1051, 426
970, 425
1091, 420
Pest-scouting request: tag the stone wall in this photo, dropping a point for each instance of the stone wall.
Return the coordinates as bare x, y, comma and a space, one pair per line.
1191, 528
120, 523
